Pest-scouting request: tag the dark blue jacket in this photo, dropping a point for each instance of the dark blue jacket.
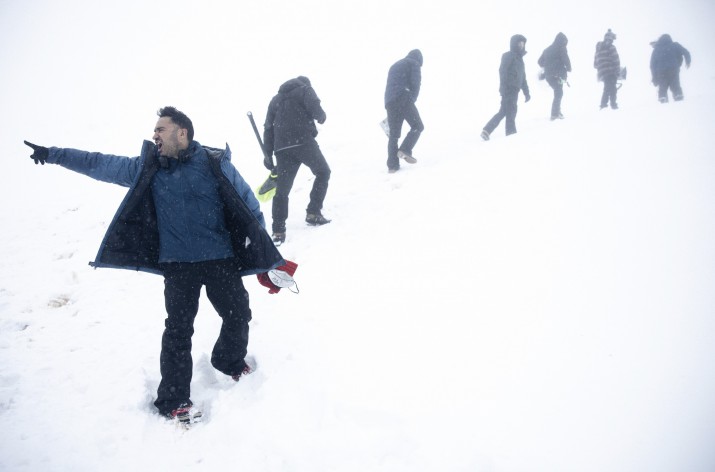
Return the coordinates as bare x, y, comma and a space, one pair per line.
404, 77
192, 211
555, 58
667, 55
512, 73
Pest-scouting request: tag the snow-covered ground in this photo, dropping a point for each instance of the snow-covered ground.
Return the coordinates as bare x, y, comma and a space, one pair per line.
542, 302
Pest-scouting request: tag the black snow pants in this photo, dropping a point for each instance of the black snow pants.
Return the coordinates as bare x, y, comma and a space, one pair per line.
402, 109
182, 288
288, 162
557, 84
669, 79
507, 110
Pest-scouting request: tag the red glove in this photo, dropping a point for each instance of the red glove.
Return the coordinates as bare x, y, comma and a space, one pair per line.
278, 278
266, 282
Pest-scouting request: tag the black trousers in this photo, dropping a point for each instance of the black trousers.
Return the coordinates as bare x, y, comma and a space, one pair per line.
402, 109
558, 86
507, 110
288, 162
182, 288
610, 90
669, 79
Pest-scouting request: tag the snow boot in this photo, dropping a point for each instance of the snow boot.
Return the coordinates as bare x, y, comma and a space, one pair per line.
406, 157
279, 238
246, 371
316, 219
184, 415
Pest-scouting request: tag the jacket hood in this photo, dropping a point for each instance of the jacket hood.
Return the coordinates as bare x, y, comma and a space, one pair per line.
609, 36
415, 55
293, 84
515, 40
664, 39
561, 40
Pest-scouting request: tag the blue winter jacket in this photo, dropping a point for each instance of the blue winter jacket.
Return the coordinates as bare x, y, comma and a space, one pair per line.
196, 210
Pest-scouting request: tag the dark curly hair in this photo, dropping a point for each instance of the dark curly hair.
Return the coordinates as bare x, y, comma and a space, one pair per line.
179, 118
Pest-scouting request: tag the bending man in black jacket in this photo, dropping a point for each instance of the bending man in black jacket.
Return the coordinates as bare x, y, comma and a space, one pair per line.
556, 63
290, 132
512, 78
665, 62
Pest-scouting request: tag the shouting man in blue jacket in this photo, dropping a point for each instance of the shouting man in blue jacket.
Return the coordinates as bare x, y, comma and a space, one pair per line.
189, 216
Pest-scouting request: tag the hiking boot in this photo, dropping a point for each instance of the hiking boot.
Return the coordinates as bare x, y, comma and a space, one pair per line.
663, 99
246, 371
316, 219
184, 414
406, 157
392, 171
485, 135
279, 238
614, 106
557, 117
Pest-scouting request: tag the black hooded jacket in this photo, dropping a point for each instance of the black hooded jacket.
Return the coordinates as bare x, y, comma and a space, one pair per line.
404, 77
555, 58
667, 55
512, 74
291, 116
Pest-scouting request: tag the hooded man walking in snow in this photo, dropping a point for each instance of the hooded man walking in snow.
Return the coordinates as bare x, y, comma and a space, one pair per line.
512, 79
556, 63
289, 131
404, 80
189, 216
665, 62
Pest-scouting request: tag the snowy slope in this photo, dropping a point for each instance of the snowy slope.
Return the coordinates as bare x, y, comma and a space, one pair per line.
541, 302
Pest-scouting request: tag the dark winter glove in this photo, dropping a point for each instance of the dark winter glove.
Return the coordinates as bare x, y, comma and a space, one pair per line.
278, 278
39, 154
527, 97
268, 161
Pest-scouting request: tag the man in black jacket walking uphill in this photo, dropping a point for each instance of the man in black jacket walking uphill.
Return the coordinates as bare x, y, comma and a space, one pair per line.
556, 63
290, 132
512, 78
403, 87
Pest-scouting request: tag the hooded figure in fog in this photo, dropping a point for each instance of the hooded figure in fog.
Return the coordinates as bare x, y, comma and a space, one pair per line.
403, 87
289, 131
556, 63
512, 79
665, 62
